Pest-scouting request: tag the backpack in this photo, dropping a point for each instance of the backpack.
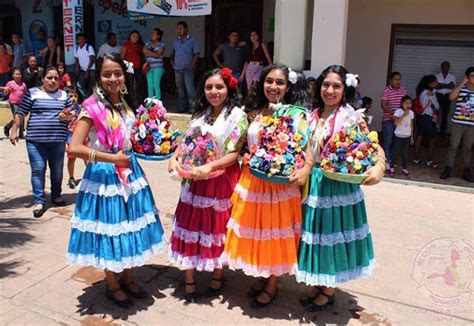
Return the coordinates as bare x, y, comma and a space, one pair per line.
417, 107
87, 47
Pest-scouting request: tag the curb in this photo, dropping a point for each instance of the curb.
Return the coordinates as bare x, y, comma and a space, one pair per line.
467, 190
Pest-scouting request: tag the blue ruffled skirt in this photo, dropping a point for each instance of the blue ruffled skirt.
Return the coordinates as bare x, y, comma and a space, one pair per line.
114, 226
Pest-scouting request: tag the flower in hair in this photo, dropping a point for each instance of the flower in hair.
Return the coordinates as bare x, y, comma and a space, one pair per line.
351, 80
226, 73
230, 81
292, 76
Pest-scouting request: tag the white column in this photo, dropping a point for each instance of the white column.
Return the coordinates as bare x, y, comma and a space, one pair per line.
329, 34
290, 30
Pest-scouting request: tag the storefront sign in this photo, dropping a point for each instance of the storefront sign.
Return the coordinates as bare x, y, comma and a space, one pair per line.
171, 7
73, 24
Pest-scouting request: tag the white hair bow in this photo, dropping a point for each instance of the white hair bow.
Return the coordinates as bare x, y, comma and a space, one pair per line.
292, 76
351, 80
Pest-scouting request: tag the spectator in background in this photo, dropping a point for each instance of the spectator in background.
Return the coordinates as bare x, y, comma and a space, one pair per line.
184, 60
153, 52
390, 101
132, 51
428, 122
15, 89
231, 52
85, 66
8, 48
39, 44
357, 103
6, 61
19, 51
463, 126
33, 74
64, 78
52, 53
258, 58
446, 83
404, 118
311, 82
109, 47
367, 105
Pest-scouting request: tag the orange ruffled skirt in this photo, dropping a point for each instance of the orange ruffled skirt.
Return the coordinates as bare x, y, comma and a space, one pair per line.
264, 227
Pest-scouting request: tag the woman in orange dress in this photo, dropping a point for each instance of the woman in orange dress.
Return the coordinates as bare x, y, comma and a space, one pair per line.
264, 227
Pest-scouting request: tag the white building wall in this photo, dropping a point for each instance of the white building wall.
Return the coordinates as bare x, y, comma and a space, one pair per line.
369, 29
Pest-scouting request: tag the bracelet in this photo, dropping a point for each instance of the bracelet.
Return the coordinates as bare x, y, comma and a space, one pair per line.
92, 155
309, 162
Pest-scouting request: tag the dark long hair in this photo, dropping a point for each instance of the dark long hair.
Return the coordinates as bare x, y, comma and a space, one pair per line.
257, 99
424, 84
99, 65
299, 95
349, 91
200, 103
140, 39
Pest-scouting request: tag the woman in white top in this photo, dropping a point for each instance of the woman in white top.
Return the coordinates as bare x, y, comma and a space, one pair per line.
428, 122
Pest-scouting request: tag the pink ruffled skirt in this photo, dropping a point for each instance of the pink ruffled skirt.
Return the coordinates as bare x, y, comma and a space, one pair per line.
201, 218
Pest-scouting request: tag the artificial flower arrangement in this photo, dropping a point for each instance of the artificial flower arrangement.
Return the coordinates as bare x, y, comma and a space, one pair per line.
152, 136
279, 150
197, 148
351, 151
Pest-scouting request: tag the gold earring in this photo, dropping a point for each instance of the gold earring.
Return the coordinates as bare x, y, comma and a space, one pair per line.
124, 90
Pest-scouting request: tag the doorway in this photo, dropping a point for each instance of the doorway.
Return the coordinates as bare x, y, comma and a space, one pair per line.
10, 21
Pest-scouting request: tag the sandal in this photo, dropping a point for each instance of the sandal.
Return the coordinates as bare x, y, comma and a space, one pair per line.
140, 294
254, 291
307, 300
72, 183
126, 303
316, 307
212, 292
255, 304
38, 212
58, 202
190, 297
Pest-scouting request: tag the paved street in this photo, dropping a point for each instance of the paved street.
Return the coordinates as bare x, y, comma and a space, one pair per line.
423, 241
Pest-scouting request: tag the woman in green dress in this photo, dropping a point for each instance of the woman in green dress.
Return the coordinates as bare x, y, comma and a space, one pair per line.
336, 243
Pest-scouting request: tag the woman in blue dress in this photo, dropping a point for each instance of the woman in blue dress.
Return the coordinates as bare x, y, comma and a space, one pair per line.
116, 225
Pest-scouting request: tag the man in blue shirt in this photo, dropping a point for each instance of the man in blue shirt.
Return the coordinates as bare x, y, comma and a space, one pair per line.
184, 59
19, 51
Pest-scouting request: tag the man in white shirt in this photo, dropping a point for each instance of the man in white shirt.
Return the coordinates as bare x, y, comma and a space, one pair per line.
85, 66
109, 47
446, 83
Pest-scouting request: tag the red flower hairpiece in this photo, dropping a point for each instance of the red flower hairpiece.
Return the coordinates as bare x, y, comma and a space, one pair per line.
230, 81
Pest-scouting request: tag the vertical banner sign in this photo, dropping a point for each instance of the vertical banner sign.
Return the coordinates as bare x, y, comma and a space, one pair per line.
73, 24
169, 8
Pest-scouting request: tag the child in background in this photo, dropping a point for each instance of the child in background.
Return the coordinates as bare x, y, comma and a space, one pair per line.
65, 79
367, 105
6, 61
403, 134
15, 89
71, 159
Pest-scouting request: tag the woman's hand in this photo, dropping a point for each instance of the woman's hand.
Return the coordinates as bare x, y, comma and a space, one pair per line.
172, 164
202, 172
121, 159
300, 176
66, 115
14, 135
375, 175
241, 78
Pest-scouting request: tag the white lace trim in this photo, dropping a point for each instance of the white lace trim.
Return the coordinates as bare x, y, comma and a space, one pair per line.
276, 197
333, 280
331, 239
100, 189
334, 201
116, 266
196, 262
259, 271
219, 205
263, 234
112, 230
205, 240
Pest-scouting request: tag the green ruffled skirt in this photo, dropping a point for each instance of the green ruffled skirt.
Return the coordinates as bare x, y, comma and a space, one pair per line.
336, 243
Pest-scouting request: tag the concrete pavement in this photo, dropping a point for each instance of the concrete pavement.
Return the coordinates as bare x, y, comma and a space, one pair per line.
423, 243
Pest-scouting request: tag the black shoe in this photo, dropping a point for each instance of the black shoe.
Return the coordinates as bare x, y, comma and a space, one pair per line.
72, 183
60, 203
141, 294
253, 292
255, 304
212, 292
127, 303
39, 212
446, 173
6, 130
190, 297
315, 307
467, 175
306, 301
